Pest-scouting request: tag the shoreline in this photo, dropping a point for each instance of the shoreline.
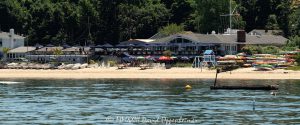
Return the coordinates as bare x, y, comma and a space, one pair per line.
136, 73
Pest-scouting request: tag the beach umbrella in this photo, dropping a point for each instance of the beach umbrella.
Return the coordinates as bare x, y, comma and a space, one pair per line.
140, 58
121, 45
173, 57
185, 58
151, 58
50, 45
132, 57
107, 45
66, 46
147, 57
38, 45
165, 58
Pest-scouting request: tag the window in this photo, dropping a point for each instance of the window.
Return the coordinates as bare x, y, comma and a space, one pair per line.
173, 41
186, 41
0, 42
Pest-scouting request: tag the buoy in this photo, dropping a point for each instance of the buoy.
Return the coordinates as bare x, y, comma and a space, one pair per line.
188, 87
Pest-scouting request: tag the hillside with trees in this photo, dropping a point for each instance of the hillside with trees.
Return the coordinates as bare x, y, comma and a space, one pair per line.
83, 22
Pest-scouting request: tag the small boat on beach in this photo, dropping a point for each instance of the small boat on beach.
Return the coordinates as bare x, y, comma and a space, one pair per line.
264, 67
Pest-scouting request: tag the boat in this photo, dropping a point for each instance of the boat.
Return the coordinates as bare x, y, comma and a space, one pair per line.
264, 67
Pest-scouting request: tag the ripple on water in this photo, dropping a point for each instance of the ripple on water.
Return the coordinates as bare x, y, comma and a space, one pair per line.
93, 101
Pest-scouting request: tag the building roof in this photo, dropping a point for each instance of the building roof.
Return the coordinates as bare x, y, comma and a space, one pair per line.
230, 39
265, 32
76, 49
45, 49
158, 35
6, 35
71, 49
22, 49
135, 42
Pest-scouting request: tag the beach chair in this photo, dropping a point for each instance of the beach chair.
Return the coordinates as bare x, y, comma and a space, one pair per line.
62, 66
30, 65
11, 65
163, 65
102, 65
17, 66
44, 66
24, 65
121, 66
144, 66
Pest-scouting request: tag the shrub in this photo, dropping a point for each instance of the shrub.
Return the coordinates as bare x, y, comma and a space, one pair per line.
294, 42
297, 59
270, 50
252, 49
287, 48
92, 62
112, 63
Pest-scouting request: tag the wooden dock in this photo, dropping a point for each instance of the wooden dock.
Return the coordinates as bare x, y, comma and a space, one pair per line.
245, 87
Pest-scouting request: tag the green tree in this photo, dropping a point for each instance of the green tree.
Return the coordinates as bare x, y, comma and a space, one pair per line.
141, 20
180, 10
209, 16
294, 42
294, 22
57, 52
5, 51
272, 23
171, 29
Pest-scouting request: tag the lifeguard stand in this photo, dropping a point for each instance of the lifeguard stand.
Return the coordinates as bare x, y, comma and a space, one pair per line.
209, 58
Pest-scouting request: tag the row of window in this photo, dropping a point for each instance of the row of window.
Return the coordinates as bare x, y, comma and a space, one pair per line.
180, 40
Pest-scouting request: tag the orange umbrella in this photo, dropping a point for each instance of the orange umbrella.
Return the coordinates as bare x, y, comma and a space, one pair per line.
165, 58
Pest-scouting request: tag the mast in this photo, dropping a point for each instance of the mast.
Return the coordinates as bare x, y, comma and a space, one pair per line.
231, 13
230, 17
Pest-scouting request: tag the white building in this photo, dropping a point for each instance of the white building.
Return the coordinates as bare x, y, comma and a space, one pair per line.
10, 40
18, 53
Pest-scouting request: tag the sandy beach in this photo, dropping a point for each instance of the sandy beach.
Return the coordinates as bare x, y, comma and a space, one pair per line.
133, 73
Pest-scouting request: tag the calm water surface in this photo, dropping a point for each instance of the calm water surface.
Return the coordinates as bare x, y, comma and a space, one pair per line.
145, 102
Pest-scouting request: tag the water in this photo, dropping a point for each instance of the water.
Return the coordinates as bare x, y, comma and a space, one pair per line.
145, 102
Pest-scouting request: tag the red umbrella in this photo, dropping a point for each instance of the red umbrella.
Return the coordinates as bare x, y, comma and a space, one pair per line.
165, 58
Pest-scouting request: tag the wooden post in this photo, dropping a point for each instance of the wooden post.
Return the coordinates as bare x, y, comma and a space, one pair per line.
218, 71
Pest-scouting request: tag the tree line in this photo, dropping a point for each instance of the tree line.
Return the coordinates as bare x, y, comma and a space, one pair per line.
84, 22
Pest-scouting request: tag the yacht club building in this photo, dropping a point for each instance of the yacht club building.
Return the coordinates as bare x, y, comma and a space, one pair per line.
195, 44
